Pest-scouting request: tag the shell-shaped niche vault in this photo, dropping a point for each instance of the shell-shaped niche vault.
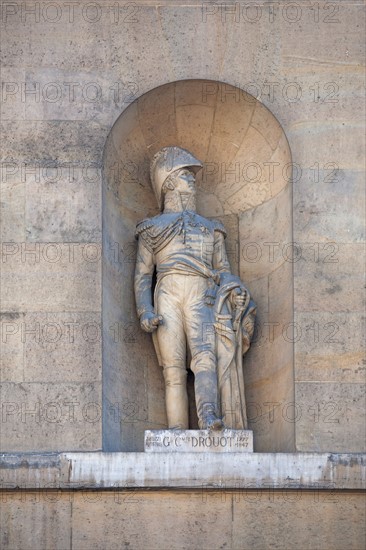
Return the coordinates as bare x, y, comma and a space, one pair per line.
246, 183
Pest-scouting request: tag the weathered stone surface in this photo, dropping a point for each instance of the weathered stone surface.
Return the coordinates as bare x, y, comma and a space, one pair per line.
46, 94
194, 127
267, 245
323, 199
280, 170
12, 223
321, 94
233, 124
206, 517
33, 272
330, 347
335, 142
67, 209
12, 107
59, 346
259, 122
345, 471
119, 528
304, 41
198, 441
341, 519
248, 35
151, 470
180, 28
36, 520
74, 142
259, 291
31, 470
154, 128
272, 51
272, 352
334, 282
327, 412
56, 416
12, 348
280, 299
216, 492
272, 412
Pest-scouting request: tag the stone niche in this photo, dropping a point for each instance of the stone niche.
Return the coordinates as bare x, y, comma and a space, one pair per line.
246, 183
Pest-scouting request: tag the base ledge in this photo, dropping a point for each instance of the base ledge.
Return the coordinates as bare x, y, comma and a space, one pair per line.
91, 470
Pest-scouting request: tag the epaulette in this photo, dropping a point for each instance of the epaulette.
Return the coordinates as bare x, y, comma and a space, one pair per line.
218, 226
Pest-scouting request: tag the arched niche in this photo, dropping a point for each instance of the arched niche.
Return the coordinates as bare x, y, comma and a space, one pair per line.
246, 184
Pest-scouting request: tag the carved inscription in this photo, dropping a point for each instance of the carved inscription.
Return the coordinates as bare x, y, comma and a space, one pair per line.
191, 441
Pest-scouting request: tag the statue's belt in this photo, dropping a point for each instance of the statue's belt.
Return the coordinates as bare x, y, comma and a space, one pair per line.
192, 266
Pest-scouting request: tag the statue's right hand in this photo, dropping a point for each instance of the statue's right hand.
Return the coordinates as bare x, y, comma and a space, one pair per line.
150, 321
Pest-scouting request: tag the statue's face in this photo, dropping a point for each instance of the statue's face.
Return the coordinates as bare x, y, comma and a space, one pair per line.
184, 181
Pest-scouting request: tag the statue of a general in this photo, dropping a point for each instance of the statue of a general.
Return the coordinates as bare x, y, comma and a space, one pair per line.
196, 300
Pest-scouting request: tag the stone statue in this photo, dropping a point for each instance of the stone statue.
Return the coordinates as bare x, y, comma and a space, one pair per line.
196, 301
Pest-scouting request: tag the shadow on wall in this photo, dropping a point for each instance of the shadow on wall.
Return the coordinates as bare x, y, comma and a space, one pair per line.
246, 183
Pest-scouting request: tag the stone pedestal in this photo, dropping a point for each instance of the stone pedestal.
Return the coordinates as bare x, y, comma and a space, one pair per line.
198, 441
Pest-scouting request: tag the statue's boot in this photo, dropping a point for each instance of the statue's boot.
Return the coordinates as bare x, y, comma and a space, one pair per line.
176, 398
210, 420
205, 384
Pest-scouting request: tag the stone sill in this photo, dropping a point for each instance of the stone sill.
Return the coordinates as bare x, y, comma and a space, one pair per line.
91, 470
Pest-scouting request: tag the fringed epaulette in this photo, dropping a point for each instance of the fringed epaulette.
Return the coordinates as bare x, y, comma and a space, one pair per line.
218, 226
145, 231
156, 233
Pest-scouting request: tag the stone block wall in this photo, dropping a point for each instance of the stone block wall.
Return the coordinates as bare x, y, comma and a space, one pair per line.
144, 500
206, 519
68, 72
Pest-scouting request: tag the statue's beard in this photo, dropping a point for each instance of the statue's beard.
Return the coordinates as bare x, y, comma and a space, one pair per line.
178, 202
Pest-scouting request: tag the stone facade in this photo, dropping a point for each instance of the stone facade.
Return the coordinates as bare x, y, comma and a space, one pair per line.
68, 74
112, 520
253, 500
